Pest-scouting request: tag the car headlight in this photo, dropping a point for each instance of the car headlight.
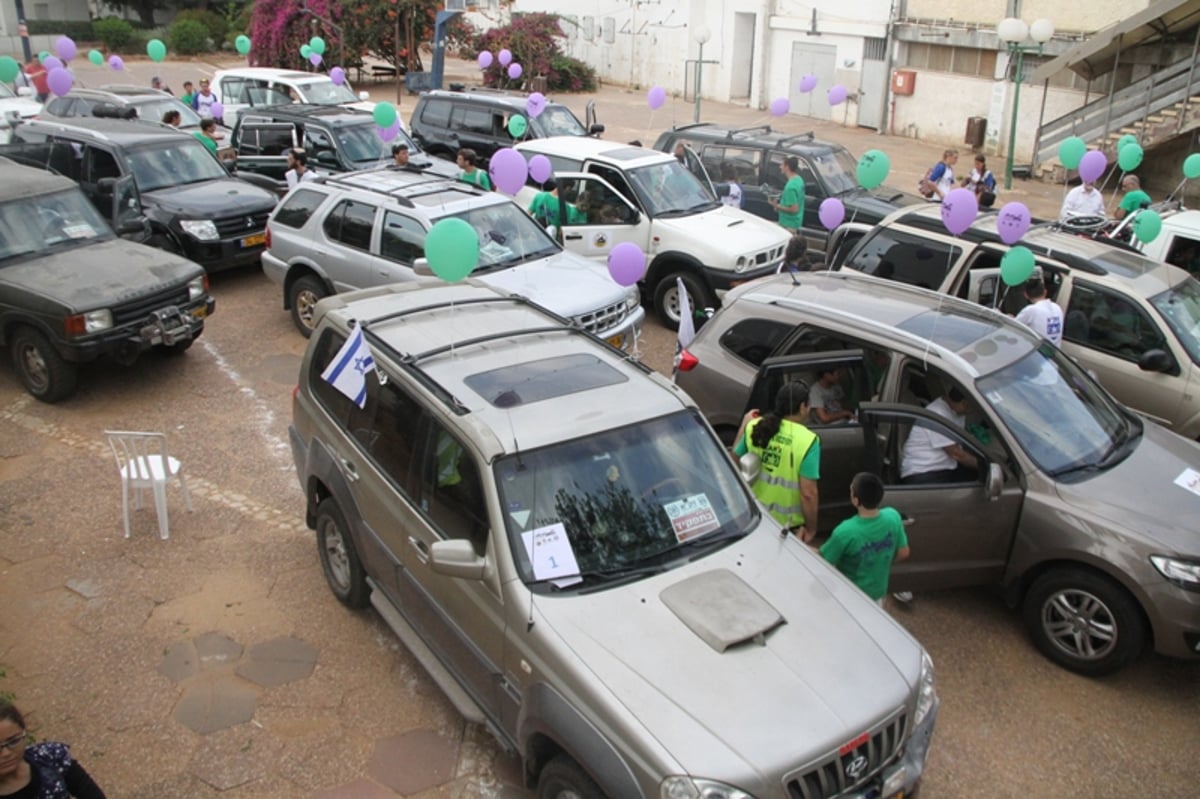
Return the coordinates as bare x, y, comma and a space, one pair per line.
692, 788
742, 262
926, 695
197, 288
1183, 573
203, 229
632, 300
90, 322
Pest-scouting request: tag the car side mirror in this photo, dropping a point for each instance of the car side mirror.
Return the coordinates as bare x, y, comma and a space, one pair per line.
131, 225
1155, 361
364, 96
24, 91
456, 558
995, 481
106, 186
596, 129
421, 267
750, 466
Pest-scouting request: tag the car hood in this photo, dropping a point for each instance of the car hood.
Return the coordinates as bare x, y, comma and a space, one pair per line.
1139, 493
24, 107
874, 204
835, 667
732, 229
100, 275
565, 283
212, 198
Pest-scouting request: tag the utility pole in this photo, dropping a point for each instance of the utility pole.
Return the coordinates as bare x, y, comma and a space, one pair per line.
23, 31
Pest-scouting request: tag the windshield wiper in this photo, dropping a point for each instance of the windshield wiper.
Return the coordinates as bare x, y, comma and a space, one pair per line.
673, 212
601, 577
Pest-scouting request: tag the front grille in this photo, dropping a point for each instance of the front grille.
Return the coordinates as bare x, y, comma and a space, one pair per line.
602, 319
236, 226
137, 310
770, 256
830, 777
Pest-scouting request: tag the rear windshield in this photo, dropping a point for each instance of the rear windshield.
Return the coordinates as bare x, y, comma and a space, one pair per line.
557, 120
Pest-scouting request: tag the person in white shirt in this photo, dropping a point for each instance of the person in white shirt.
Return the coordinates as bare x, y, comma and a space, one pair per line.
929, 456
1083, 200
299, 171
1042, 315
730, 191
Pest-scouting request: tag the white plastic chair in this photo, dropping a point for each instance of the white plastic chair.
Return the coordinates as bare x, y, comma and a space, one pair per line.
144, 463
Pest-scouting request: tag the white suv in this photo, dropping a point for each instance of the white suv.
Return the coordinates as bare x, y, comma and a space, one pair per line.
620, 193
368, 228
247, 87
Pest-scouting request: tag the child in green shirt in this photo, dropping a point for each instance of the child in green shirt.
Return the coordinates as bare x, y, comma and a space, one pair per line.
864, 547
467, 161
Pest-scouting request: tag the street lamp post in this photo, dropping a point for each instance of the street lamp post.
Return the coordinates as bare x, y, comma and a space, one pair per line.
702, 35
1020, 39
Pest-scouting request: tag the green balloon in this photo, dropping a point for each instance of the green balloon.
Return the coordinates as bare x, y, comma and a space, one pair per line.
42, 56
517, 126
96, 57
452, 247
1191, 166
1071, 151
1016, 266
305, 51
242, 43
1147, 225
385, 115
1129, 157
156, 50
873, 168
8, 69
1128, 138
317, 45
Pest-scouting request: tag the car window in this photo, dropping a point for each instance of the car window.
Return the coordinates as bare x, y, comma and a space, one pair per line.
362, 145
557, 120
402, 239
350, 223
896, 255
836, 169
1180, 306
590, 202
753, 340
386, 429
182, 162
272, 139
472, 120
153, 111
99, 164
776, 180
436, 113
298, 207
615, 179
1185, 253
59, 106
326, 92
507, 236
746, 161
336, 403
36, 225
668, 188
1108, 322
451, 491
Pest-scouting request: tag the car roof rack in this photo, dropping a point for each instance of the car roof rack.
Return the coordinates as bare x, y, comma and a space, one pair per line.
796, 138
764, 129
436, 182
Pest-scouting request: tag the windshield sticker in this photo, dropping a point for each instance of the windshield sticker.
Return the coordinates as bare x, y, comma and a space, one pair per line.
692, 516
995, 397
550, 553
521, 517
1189, 479
81, 231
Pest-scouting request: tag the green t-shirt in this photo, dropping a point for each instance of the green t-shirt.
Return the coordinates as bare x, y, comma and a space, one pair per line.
1133, 200
187, 99
863, 549
793, 194
478, 177
207, 142
544, 208
810, 467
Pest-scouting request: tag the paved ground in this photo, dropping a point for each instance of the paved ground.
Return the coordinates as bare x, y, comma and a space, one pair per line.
216, 663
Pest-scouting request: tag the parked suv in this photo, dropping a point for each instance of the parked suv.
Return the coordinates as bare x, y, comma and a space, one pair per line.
618, 193
558, 536
1079, 510
72, 292
445, 121
248, 87
147, 105
368, 228
756, 155
1131, 320
193, 206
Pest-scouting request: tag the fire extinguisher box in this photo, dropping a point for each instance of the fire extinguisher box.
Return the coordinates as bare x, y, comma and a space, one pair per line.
904, 81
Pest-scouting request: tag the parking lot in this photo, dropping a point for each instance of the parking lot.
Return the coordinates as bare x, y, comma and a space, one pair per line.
217, 663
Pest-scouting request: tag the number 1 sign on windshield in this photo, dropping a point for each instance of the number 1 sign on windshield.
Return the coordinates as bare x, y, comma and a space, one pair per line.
550, 554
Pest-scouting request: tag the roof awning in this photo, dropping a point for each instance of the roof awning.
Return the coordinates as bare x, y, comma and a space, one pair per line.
1095, 55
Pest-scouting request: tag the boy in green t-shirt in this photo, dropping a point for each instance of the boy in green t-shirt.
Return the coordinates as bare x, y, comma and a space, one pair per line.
791, 203
467, 161
864, 547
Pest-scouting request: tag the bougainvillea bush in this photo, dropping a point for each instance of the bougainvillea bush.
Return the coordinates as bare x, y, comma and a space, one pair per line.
533, 40
278, 29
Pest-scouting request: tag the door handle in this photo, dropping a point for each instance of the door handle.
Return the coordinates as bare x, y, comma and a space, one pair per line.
574, 237
420, 547
350, 470
908, 521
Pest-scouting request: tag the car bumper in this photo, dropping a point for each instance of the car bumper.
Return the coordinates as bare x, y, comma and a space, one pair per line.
724, 280
299, 453
624, 336
273, 268
1175, 616
903, 776
226, 253
127, 342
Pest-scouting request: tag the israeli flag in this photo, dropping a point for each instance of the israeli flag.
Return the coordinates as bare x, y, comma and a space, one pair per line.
348, 370
687, 324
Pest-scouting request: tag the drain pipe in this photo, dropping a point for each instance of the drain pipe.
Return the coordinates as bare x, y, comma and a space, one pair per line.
891, 63
765, 66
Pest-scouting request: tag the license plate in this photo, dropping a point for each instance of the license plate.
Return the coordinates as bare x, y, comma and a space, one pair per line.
255, 240
617, 341
199, 313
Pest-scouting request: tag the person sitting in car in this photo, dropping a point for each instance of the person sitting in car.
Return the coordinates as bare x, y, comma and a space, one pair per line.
929, 456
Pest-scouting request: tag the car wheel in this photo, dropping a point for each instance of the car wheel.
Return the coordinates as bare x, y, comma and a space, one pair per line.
562, 778
339, 560
45, 373
1084, 621
666, 297
305, 293
164, 243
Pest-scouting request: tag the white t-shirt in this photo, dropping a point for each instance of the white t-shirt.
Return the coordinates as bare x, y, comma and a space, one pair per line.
829, 399
945, 183
1045, 318
924, 450
293, 179
204, 103
734, 197
1083, 203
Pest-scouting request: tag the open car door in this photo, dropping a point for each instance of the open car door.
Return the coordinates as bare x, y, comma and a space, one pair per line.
596, 217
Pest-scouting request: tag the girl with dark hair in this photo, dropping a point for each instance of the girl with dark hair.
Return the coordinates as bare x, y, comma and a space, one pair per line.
38, 771
790, 455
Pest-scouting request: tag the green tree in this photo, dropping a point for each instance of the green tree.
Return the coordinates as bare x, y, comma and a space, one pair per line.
144, 8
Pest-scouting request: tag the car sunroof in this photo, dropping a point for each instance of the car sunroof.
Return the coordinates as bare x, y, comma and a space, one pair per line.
534, 381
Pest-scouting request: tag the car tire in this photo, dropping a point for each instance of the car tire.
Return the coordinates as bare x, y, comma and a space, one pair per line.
562, 778
303, 295
1084, 621
45, 374
164, 242
666, 297
339, 559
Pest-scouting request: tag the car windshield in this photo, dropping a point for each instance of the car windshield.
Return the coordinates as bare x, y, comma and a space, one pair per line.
837, 169
362, 145
507, 236
1180, 306
324, 92
669, 189
153, 110
34, 225
1061, 417
181, 162
620, 503
557, 120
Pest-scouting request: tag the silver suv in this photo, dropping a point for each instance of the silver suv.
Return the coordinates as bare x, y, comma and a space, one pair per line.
368, 228
556, 533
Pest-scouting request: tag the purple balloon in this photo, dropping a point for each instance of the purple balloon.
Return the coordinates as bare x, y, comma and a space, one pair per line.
656, 97
116, 63
52, 63
1013, 222
832, 212
837, 95
535, 104
59, 80
505, 57
627, 263
390, 132
337, 75
780, 106
484, 59
514, 71
315, 59
218, 110
959, 209
65, 48
508, 170
1092, 166
808, 83
540, 168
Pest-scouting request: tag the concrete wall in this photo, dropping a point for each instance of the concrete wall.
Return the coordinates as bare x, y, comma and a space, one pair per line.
56, 9
1092, 16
